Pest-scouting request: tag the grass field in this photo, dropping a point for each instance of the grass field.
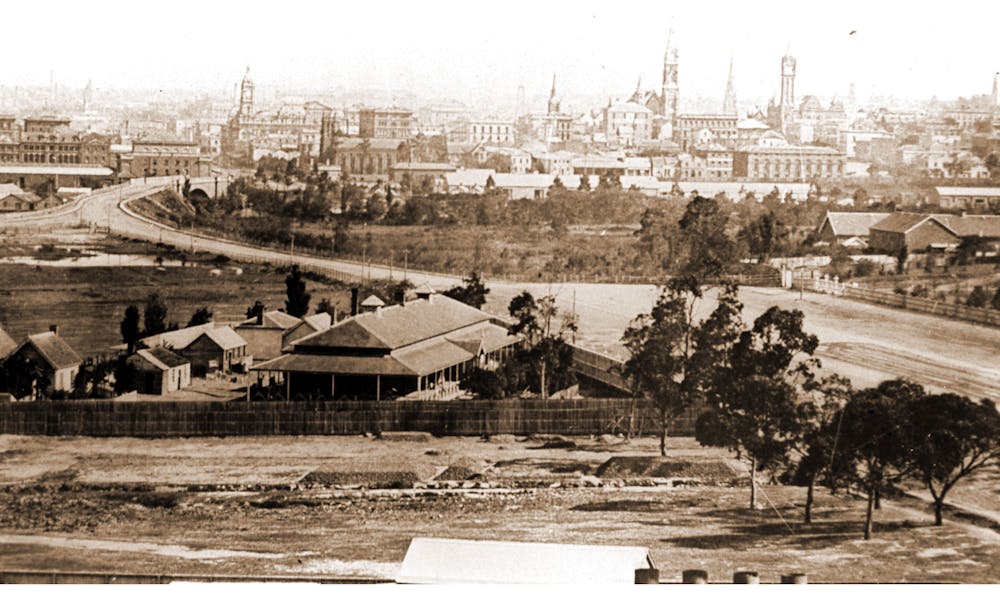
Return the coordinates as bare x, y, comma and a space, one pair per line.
162, 506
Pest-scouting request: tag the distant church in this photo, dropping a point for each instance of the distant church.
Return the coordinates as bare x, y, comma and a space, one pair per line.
664, 104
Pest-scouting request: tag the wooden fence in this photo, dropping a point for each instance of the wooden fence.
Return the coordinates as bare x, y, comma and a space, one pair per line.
464, 417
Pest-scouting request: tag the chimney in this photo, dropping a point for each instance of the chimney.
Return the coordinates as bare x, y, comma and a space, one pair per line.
354, 301
400, 295
260, 316
54, 329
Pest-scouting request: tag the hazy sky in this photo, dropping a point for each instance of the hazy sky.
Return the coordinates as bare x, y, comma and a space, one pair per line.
909, 49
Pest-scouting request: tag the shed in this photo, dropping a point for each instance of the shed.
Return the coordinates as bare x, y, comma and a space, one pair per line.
436, 560
160, 371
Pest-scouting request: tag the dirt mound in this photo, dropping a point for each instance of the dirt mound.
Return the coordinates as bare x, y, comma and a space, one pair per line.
706, 471
406, 436
367, 479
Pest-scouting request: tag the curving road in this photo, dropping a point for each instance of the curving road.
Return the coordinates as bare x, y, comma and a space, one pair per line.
865, 342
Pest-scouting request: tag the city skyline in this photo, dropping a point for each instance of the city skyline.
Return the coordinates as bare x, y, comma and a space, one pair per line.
451, 51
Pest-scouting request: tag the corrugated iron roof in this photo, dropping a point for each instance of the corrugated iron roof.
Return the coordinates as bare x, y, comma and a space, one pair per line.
432, 357
346, 365
272, 319
902, 222
987, 226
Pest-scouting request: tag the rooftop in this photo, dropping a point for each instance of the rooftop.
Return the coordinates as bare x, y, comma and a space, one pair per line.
852, 223
35, 169
54, 350
162, 358
272, 319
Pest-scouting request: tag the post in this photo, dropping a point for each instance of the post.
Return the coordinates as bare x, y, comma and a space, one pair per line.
694, 576
288, 386
746, 577
378, 388
647, 576
333, 385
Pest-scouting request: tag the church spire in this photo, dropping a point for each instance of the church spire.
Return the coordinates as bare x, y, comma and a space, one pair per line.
553, 102
729, 103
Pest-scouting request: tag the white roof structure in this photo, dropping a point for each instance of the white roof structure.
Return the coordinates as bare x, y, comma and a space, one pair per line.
435, 560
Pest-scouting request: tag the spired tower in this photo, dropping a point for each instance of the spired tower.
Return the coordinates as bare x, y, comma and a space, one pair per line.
88, 96
553, 107
996, 89
671, 91
246, 96
788, 81
729, 103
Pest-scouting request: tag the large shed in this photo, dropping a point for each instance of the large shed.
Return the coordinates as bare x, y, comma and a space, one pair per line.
437, 560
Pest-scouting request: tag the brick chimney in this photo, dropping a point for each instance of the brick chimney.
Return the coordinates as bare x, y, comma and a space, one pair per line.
54, 329
354, 301
260, 316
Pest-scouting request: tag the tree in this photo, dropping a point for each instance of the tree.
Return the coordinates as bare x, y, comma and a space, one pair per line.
818, 434
950, 437
901, 257
297, 303
23, 378
326, 306
130, 328
473, 292
874, 435
154, 317
490, 184
670, 354
755, 394
546, 359
705, 247
200, 317
978, 298
94, 374
557, 185
584, 183
256, 310
995, 302
341, 236
763, 235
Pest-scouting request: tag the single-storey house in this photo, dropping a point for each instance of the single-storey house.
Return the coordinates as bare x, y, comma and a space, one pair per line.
160, 371
420, 348
916, 232
19, 202
56, 359
209, 347
968, 198
848, 228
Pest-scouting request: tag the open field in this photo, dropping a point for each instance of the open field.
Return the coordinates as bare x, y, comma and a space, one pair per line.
865, 342
161, 506
88, 303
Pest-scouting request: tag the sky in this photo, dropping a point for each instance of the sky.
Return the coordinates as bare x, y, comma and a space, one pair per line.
447, 48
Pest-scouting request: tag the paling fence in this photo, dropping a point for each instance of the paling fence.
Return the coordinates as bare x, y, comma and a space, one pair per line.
826, 285
586, 416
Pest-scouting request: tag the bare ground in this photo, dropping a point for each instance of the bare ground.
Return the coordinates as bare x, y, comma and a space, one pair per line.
238, 506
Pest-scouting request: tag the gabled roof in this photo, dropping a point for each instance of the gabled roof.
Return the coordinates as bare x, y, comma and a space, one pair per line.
7, 344
318, 321
272, 319
430, 560
179, 339
224, 337
901, 222
852, 223
987, 226
161, 358
397, 326
8, 189
53, 349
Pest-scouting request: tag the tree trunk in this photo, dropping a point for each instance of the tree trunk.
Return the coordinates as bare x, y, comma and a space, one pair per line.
938, 508
663, 439
809, 499
878, 498
868, 512
544, 390
631, 417
753, 483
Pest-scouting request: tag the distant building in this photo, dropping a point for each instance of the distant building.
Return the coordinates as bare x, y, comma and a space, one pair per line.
371, 158
153, 158
627, 124
422, 176
721, 127
913, 231
385, 123
968, 198
846, 227
494, 132
787, 163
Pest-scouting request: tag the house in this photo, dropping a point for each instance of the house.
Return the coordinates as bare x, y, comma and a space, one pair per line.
419, 348
913, 231
848, 228
19, 202
209, 346
269, 332
160, 371
982, 232
435, 560
219, 349
56, 359
968, 198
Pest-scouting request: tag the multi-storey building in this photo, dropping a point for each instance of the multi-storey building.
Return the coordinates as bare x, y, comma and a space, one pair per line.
628, 124
722, 127
492, 131
385, 123
787, 163
153, 158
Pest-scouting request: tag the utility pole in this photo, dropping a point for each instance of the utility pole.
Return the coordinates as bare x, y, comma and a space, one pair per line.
406, 265
291, 250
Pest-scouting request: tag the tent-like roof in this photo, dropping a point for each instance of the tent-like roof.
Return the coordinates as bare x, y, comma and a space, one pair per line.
434, 560
372, 301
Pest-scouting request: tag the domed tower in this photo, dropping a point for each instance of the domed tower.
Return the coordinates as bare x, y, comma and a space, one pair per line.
246, 95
